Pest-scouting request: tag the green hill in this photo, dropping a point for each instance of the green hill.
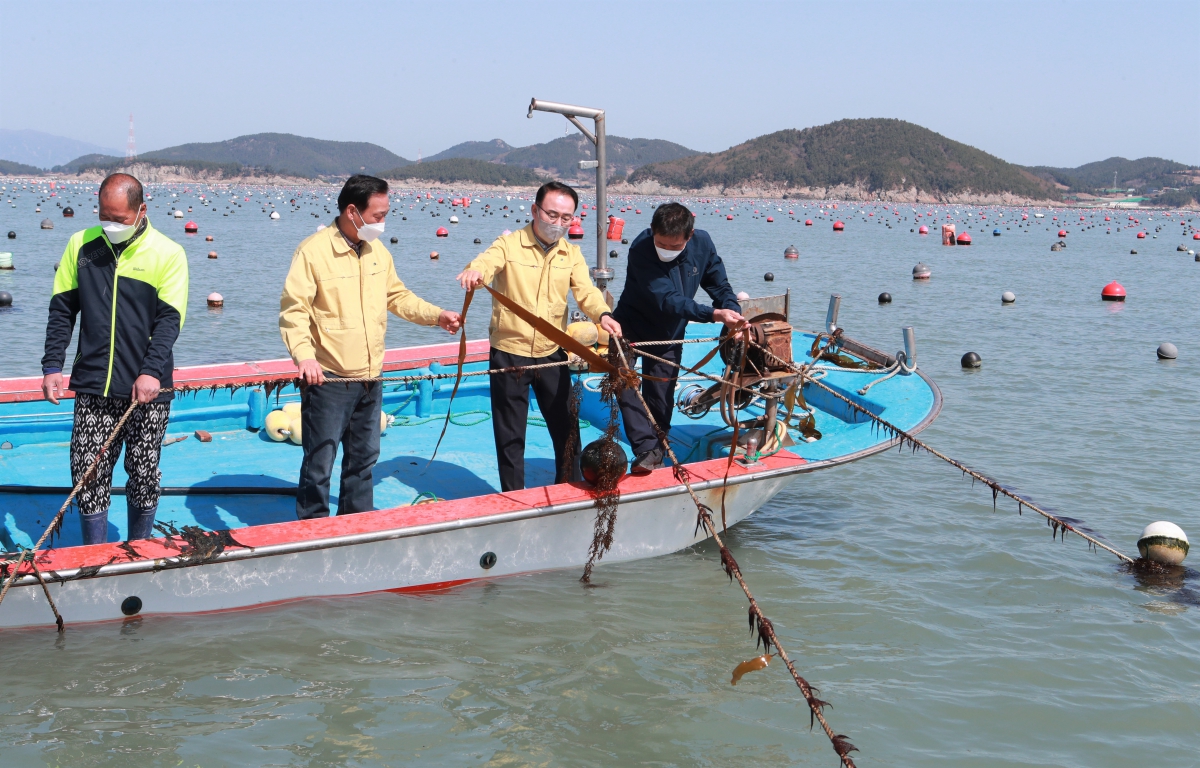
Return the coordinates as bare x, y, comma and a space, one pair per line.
561, 157
1141, 175
474, 150
462, 170
280, 153
9, 168
879, 154
286, 153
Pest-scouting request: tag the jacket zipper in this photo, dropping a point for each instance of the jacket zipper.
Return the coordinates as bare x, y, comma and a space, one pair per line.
112, 323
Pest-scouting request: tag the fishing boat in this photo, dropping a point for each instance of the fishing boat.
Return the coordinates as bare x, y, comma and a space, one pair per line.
229, 534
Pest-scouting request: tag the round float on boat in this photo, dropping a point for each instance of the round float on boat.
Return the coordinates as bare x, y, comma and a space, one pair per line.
1163, 542
1167, 351
277, 425
295, 430
291, 409
603, 458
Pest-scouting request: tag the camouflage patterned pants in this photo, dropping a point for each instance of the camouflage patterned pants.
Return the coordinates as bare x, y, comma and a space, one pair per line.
142, 436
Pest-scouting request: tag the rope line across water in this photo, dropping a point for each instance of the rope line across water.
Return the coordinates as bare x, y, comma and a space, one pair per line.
766, 630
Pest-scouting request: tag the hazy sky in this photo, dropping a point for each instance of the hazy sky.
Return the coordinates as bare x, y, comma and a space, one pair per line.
1049, 82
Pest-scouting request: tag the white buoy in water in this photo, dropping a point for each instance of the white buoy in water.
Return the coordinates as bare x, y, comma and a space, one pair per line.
1163, 542
453, 219
274, 214
1008, 297
1167, 351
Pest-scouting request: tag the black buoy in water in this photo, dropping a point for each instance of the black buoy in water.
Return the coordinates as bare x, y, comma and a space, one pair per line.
614, 254
478, 241
5, 299
885, 298
12, 235
395, 240
769, 277
972, 360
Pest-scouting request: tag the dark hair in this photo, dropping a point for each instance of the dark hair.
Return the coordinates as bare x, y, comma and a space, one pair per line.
132, 187
555, 186
358, 190
672, 220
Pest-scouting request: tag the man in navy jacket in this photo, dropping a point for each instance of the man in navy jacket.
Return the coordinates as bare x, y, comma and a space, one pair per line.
667, 264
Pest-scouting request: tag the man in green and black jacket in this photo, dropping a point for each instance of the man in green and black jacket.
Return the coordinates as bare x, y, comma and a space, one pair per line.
128, 285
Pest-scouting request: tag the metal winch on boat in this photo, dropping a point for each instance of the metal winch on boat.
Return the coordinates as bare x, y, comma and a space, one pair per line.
760, 372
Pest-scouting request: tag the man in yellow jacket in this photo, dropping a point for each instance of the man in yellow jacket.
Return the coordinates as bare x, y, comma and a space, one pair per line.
535, 267
333, 317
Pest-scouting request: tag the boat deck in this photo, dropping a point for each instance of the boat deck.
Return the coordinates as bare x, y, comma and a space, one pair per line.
39, 433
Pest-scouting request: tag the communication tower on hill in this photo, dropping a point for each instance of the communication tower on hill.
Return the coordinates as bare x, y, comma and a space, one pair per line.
130, 146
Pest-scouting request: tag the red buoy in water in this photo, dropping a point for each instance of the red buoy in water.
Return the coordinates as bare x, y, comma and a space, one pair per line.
808, 222
1114, 291
191, 226
924, 230
838, 226
729, 217
770, 219
576, 230
1141, 235
1062, 233
964, 239
443, 232
1196, 236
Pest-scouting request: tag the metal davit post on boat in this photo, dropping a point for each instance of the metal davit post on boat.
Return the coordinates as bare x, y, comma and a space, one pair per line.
601, 273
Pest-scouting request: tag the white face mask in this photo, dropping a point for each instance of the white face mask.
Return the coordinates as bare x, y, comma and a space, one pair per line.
116, 232
665, 255
370, 232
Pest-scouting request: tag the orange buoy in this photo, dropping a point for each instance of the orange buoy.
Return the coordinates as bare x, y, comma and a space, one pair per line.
208, 238
838, 226
575, 232
729, 217
434, 255
924, 230
191, 226
770, 219
443, 232
615, 227
808, 222
1062, 233
1141, 235
964, 239
212, 254
1114, 291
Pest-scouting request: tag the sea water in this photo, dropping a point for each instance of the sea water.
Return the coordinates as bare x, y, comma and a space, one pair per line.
942, 631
